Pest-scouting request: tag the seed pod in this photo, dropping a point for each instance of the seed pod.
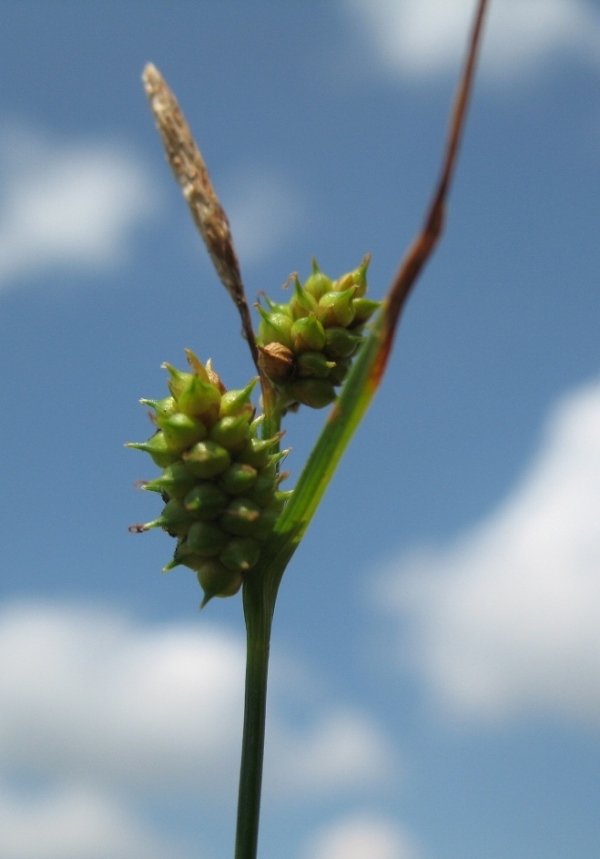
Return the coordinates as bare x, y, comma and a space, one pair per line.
318, 283
206, 500
175, 519
231, 432
199, 399
364, 308
175, 480
308, 335
340, 371
235, 403
241, 517
162, 408
206, 539
257, 452
302, 303
180, 431
217, 581
157, 448
316, 393
206, 459
239, 478
336, 308
240, 554
274, 328
341, 343
313, 365
178, 381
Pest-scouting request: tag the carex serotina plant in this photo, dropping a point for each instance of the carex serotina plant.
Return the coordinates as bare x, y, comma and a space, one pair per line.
221, 461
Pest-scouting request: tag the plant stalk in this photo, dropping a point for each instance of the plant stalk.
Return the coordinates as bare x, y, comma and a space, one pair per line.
259, 603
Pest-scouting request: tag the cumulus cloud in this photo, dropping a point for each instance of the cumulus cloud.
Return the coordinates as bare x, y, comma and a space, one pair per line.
361, 836
89, 695
67, 204
506, 620
421, 38
342, 751
264, 210
74, 823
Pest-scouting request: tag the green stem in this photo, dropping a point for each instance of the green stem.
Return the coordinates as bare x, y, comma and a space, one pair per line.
259, 604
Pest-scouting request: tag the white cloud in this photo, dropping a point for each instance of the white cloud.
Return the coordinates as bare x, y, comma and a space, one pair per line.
73, 823
67, 204
343, 750
419, 38
361, 836
264, 210
506, 621
89, 695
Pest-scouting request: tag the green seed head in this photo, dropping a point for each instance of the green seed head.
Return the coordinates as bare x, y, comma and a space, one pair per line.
218, 480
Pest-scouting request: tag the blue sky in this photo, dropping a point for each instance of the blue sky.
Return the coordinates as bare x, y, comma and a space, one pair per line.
435, 688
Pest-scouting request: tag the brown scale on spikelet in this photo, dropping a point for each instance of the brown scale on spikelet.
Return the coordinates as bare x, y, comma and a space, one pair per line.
220, 482
306, 346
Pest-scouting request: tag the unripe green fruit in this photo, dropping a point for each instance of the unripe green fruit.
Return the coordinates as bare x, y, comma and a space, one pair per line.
175, 519
318, 283
234, 403
316, 393
240, 554
274, 328
213, 463
302, 303
175, 480
313, 365
308, 335
364, 308
341, 343
162, 408
157, 448
206, 500
340, 371
241, 517
178, 381
206, 459
199, 399
239, 478
257, 452
336, 308
217, 581
180, 431
231, 432
206, 539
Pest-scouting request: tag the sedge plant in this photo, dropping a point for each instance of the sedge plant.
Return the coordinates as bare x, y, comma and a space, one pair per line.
221, 457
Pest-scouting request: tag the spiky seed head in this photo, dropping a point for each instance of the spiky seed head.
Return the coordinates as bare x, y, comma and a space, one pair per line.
212, 464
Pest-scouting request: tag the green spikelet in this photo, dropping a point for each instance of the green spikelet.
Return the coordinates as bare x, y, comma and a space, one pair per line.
220, 482
306, 346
